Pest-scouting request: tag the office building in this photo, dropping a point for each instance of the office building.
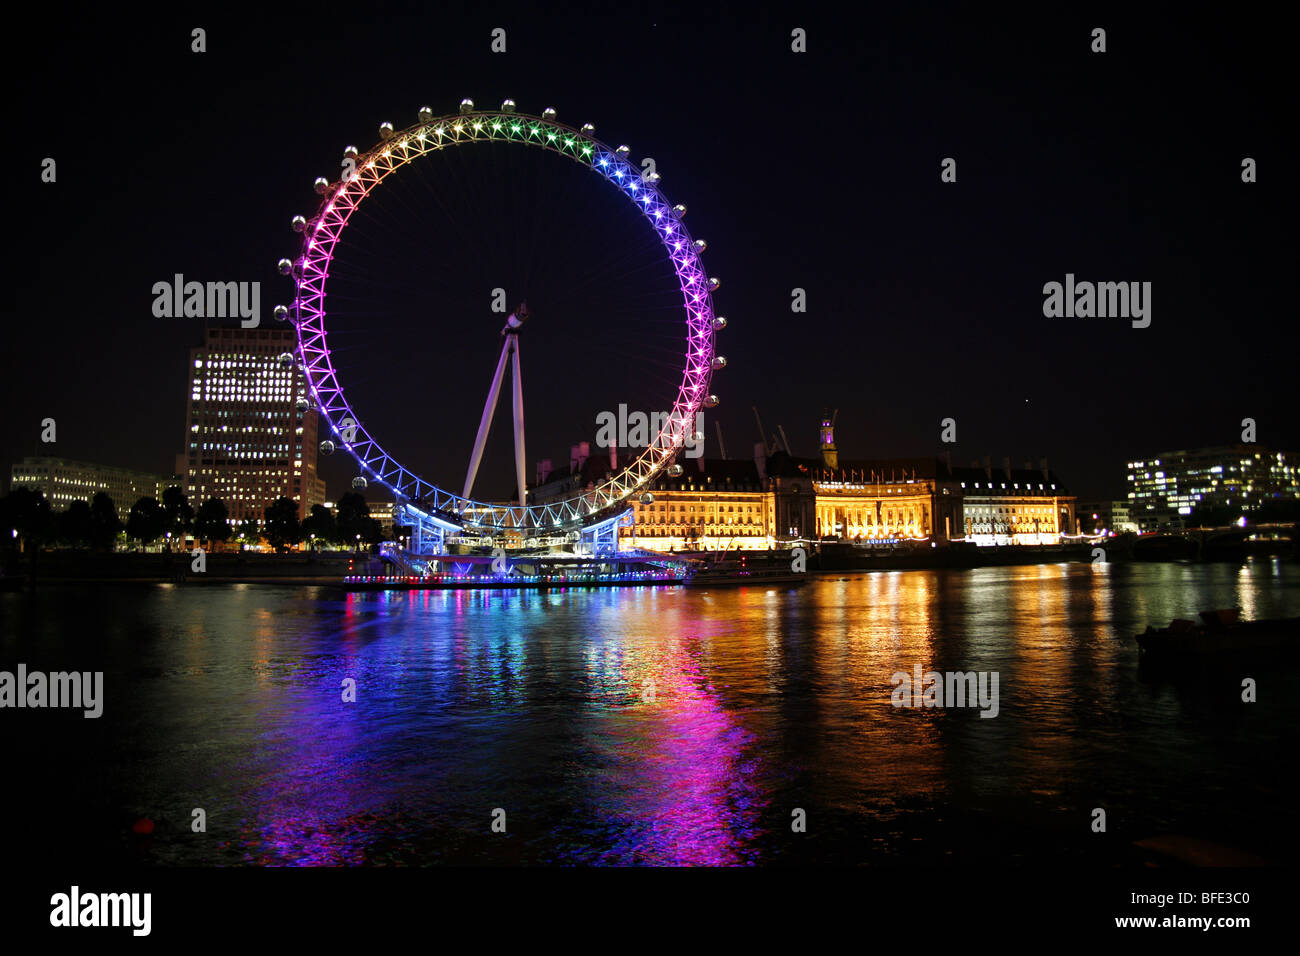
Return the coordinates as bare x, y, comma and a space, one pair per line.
64, 481
251, 435
1165, 489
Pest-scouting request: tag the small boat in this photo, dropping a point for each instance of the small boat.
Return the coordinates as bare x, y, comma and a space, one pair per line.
1220, 632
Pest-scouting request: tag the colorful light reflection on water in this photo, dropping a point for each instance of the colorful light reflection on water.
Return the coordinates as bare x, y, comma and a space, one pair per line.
655, 726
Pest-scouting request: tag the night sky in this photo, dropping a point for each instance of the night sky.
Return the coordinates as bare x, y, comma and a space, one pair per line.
818, 170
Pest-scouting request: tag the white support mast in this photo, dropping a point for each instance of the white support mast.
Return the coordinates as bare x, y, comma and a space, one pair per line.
510, 348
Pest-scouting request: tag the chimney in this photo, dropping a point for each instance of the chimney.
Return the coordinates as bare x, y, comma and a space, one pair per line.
544, 469
988, 467
760, 460
1042, 463
1006, 466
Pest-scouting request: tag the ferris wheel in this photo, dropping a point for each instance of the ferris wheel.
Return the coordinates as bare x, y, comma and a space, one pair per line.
344, 428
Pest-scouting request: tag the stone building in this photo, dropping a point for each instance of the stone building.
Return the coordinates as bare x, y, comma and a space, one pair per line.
775, 499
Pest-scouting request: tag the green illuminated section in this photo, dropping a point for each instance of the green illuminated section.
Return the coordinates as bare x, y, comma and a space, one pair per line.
498, 126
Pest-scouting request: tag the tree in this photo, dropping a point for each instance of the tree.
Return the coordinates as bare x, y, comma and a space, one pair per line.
282, 527
180, 516
321, 524
212, 523
28, 513
72, 527
147, 521
105, 525
354, 514
249, 532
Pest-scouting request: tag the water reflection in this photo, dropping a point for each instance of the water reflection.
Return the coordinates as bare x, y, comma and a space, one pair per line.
675, 782
666, 726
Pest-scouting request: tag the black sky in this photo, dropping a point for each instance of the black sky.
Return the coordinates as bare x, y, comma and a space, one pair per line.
817, 170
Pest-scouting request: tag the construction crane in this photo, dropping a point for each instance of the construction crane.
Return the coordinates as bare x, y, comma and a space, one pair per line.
770, 444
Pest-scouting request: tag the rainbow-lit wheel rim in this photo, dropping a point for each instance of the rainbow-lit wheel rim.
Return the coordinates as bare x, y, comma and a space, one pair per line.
311, 270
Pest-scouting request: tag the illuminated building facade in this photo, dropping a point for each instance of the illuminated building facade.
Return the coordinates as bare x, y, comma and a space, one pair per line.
884, 501
1014, 505
926, 499
777, 499
1164, 489
714, 504
250, 435
63, 481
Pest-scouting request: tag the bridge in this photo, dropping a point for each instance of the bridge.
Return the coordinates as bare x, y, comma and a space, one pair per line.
1206, 542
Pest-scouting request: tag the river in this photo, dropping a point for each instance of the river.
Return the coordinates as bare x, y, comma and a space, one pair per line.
649, 725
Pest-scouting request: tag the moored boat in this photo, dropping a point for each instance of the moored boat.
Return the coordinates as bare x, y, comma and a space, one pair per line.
726, 577
1220, 632
750, 568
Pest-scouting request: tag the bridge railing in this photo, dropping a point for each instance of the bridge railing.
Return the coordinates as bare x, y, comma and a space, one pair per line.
403, 562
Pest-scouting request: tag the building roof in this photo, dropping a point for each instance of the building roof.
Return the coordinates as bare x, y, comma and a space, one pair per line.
1032, 477
887, 469
780, 464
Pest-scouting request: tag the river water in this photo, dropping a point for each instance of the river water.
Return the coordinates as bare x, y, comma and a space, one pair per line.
651, 725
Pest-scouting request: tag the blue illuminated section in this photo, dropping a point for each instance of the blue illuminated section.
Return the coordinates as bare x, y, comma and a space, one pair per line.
428, 533
598, 562
602, 538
